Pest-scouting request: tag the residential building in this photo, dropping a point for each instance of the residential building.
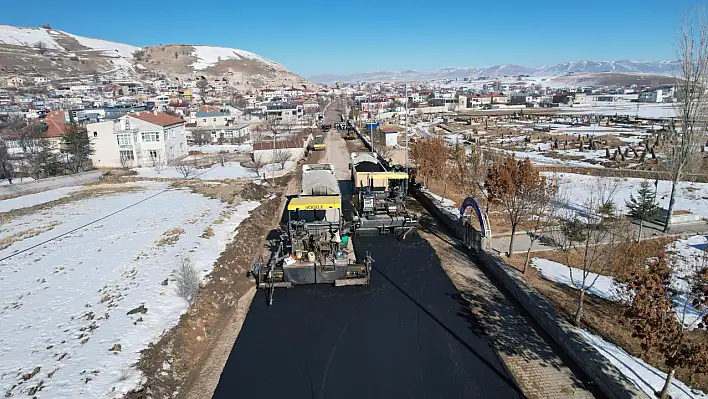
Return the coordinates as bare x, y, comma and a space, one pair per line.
14, 81
285, 112
656, 96
212, 118
520, 98
138, 139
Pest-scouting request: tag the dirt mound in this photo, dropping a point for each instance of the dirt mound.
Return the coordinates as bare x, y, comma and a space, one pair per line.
253, 192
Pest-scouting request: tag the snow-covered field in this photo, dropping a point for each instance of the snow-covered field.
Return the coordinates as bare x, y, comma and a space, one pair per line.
28, 200
644, 376
692, 197
645, 110
64, 325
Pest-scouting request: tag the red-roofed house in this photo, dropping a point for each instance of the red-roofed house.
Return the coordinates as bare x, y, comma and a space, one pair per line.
138, 139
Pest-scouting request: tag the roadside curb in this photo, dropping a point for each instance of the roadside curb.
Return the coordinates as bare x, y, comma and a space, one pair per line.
606, 377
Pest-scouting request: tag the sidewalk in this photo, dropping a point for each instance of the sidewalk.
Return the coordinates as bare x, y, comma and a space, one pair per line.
522, 240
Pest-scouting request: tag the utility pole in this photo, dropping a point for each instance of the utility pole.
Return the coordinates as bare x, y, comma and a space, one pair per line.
405, 131
272, 181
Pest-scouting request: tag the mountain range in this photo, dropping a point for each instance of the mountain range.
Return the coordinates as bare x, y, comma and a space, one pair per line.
58, 55
664, 68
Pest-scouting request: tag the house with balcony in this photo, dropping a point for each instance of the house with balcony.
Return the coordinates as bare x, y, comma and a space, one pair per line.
138, 139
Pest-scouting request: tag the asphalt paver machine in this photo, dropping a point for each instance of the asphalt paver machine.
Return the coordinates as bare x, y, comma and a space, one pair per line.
314, 244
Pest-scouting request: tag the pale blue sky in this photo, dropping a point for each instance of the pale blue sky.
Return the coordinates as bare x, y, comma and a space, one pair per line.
314, 37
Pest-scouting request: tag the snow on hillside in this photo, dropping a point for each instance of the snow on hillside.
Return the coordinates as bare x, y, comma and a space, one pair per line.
110, 49
208, 56
27, 37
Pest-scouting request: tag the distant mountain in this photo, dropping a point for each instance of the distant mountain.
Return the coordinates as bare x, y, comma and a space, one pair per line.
575, 67
60, 56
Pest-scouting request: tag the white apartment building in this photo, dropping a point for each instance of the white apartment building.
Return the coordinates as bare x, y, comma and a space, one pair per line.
138, 139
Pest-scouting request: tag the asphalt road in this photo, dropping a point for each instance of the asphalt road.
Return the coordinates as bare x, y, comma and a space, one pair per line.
404, 336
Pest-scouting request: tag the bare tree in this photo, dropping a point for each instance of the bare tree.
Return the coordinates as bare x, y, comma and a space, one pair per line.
595, 235
281, 157
544, 207
125, 162
201, 137
256, 164
186, 167
691, 83
158, 161
41, 47
7, 170
187, 279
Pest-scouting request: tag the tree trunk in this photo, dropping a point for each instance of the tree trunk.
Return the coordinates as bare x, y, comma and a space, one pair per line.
528, 258
579, 312
641, 224
667, 384
511, 240
672, 199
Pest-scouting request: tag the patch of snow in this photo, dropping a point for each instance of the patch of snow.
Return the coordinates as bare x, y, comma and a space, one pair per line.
17, 181
222, 147
208, 56
64, 305
29, 200
644, 376
605, 287
230, 170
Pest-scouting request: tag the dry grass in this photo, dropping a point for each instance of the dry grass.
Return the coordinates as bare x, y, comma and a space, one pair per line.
208, 233
9, 240
170, 237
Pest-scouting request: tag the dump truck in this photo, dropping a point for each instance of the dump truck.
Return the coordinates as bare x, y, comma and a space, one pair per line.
319, 143
379, 197
314, 244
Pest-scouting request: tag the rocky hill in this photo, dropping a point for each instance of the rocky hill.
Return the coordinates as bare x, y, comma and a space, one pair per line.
63, 56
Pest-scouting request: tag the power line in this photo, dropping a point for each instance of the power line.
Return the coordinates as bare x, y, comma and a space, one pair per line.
96, 221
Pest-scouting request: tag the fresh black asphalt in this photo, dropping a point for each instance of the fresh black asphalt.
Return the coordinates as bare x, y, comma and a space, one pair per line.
404, 336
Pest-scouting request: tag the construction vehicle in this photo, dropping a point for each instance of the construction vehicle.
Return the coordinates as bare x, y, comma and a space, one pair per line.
379, 197
319, 143
314, 245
